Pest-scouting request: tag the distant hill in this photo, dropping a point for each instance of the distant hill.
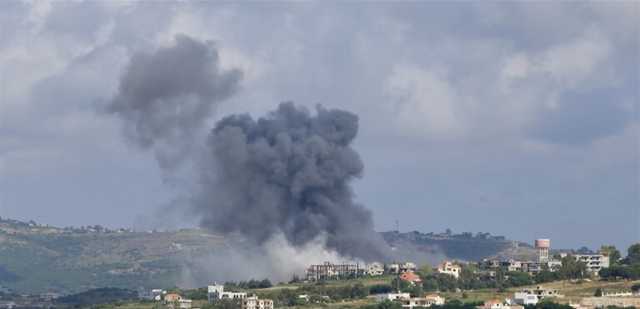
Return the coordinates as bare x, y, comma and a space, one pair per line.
463, 246
40, 258
36, 258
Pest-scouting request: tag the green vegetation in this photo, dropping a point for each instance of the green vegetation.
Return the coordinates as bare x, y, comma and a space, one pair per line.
463, 246
37, 259
633, 255
97, 296
627, 268
612, 253
251, 284
472, 279
548, 305
317, 293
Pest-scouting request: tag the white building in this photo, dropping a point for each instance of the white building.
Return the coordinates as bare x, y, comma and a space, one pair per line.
594, 262
393, 268
156, 294
421, 302
434, 299
254, 302
409, 302
617, 294
512, 265
533, 296
184, 303
450, 268
216, 292
375, 269
407, 267
394, 296
524, 298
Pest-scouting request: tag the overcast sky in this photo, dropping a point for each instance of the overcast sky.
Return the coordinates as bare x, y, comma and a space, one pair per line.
518, 119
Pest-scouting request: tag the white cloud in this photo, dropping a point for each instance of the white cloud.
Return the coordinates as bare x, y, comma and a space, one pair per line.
558, 68
423, 102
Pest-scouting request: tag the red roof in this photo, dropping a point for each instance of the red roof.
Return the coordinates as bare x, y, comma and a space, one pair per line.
410, 276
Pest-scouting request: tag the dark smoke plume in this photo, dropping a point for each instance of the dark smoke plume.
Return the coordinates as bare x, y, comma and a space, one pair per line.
281, 179
165, 96
289, 173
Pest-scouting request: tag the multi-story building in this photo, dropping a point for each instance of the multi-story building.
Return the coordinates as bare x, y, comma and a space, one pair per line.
392, 268
594, 262
375, 269
407, 267
531, 267
329, 271
489, 263
216, 292
394, 296
450, 268
254, 302
533, 296
511, 265
421, 302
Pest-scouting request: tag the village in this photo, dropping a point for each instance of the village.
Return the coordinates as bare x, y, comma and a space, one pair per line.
409, 287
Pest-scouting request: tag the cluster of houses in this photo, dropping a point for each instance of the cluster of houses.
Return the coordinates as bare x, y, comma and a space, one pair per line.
172, 300
330, 271
594, 262
520, 299
407, 301
215, 293
527, 297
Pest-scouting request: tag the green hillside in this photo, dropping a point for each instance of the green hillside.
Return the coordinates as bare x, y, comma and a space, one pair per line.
36, 258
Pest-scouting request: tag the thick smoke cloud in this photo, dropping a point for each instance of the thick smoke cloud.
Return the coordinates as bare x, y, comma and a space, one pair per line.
165, 96
289, 173
285, 176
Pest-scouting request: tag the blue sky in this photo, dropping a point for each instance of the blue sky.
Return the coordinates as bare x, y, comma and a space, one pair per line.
516, 118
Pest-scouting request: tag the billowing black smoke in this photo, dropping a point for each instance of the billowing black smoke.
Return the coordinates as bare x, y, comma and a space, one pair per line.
290, 173
164, 97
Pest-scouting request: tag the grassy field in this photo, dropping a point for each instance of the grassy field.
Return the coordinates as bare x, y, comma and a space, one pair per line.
366, 281
572, 291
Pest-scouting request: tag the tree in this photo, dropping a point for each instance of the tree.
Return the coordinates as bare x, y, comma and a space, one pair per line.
584, 250
612, 253
402, 285
380, 289
425, 270
359, 291
633, 254
387, 304
571, 269
518, 278
416, 290
598, 292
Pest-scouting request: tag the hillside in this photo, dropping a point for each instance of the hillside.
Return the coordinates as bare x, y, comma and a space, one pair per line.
464, 246
38, 258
